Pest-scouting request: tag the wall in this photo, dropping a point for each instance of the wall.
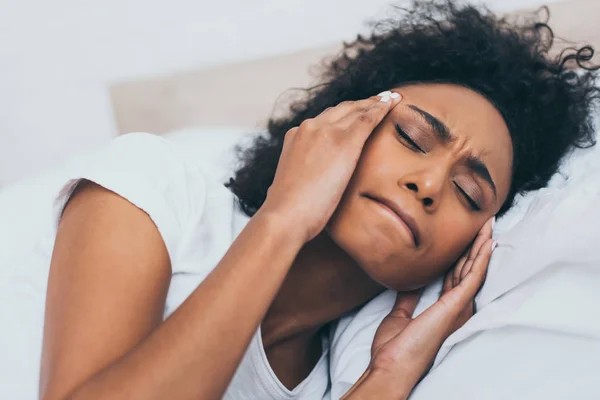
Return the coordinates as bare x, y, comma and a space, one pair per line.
57, 58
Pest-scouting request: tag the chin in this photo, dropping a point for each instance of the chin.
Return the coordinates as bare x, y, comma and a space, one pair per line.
378, 256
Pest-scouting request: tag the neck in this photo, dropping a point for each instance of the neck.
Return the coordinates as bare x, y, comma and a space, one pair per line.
323, 284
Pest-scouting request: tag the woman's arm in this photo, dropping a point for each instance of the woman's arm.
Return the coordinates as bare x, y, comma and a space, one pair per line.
109, 275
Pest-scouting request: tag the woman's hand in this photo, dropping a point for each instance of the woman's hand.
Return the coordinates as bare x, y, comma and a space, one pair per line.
404, 348
318, 159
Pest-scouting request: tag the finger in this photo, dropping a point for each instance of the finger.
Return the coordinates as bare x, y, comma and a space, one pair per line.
459, 266
467, 269
448, 284
334, 114
361, 122
484, 234
380, 104
458, 298
406, 303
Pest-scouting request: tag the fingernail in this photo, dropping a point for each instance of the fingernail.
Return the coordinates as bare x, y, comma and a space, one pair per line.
494, 244
385, 98
395, 95
385, 93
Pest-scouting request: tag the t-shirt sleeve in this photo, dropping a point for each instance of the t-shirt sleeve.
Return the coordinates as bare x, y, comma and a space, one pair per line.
146, 170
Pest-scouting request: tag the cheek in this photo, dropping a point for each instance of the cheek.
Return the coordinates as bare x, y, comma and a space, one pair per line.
454, 231
389, 263
382, 257
448, 241
452, 236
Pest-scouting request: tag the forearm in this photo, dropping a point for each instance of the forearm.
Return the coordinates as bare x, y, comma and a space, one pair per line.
194, 353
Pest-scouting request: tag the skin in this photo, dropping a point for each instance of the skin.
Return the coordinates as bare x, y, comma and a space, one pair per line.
425, 185
299, 264
404, 348
362, 251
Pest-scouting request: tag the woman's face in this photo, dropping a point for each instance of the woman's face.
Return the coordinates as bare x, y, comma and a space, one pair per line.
443, 156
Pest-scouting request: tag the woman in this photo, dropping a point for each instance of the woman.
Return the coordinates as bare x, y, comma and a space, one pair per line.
348, 195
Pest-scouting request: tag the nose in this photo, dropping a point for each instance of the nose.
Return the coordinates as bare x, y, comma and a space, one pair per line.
426, 186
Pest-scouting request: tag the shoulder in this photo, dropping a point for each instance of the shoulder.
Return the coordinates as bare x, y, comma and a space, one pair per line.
149, 172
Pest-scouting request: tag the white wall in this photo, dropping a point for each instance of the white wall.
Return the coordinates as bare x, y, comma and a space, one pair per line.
57, 57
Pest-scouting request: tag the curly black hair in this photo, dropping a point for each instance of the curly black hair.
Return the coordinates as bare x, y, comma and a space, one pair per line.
546, 101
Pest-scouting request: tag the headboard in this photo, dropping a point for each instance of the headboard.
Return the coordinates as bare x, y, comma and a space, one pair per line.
203, 97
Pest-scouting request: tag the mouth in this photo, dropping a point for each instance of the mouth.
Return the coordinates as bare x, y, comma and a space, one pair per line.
406, 219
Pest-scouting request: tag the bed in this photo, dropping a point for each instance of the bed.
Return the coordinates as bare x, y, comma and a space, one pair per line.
544, 341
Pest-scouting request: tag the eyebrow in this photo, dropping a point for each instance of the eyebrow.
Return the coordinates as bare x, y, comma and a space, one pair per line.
444, 135
441, 130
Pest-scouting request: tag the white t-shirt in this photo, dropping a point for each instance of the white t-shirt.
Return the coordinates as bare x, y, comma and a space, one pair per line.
198, 219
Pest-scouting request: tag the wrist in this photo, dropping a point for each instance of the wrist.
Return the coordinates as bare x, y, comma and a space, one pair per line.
380, 384
392, 385
281, 224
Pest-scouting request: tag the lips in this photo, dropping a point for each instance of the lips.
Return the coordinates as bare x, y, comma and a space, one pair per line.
405, 217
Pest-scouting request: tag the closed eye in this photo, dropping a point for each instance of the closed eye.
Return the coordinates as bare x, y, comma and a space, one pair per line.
409, 141
471, 202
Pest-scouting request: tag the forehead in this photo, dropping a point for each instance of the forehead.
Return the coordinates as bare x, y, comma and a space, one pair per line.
470, 116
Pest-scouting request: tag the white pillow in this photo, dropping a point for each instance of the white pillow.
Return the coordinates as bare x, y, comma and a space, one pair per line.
537, 332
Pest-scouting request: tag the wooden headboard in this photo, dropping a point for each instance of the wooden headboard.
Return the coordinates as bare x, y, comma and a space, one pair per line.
203, 97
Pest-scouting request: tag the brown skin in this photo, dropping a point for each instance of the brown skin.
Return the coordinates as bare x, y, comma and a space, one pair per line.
404, 349
104, 337
100, 343
362, 250
425, 185
271, 269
